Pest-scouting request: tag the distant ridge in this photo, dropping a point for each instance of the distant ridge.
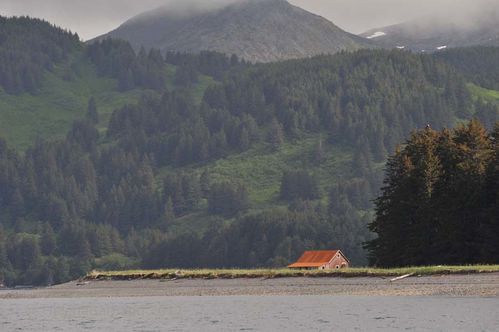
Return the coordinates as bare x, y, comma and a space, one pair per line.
432, 34
256, 30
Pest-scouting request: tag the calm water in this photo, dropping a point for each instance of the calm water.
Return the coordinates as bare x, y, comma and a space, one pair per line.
246, 313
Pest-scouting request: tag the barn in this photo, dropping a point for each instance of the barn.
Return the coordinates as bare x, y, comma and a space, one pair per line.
321, 260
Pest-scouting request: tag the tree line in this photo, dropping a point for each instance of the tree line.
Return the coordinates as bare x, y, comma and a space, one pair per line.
147, 69
28, 49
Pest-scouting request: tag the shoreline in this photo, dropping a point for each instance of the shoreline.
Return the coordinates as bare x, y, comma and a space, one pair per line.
173, 274
461, 285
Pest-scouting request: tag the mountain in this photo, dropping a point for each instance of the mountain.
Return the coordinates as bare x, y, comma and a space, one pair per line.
255, 30
435, 34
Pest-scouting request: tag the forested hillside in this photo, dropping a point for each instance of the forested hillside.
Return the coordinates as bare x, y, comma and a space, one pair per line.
478, 64
47, 77
212, 162
28, 47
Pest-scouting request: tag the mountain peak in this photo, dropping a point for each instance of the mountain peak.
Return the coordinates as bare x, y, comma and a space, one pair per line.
255, 30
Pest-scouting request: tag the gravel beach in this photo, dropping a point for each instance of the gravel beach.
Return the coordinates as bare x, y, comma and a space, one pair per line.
470, 285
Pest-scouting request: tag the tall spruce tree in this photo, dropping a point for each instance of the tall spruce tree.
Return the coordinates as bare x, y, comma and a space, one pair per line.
92, 113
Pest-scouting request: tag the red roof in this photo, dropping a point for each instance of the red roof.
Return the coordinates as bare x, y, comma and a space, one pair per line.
314, 258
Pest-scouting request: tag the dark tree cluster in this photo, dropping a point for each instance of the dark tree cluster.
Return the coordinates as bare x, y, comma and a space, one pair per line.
487, 113
440, 203
28, 48
184, 192
176, 131
299, 185
117, 59
227, 199
186, 76
271, 238
208, 63
479, 65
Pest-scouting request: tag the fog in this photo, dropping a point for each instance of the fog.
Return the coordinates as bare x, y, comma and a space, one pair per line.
90, 18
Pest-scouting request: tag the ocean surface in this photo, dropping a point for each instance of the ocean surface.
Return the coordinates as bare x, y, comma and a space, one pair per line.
251, 313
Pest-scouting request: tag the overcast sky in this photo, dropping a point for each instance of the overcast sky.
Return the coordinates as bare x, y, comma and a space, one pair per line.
90, 18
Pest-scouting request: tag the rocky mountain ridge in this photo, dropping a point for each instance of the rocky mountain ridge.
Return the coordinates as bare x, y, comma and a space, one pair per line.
256, 30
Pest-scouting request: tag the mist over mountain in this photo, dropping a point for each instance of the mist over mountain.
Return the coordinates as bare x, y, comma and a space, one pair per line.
438, 33
256, 30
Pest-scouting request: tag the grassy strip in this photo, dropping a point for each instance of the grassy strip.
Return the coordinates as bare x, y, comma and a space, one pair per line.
261, 169
479, 92
287, 273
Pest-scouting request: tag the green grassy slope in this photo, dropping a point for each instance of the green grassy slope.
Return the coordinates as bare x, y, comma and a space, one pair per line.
486, 94
260, 169
50, 113
59, 102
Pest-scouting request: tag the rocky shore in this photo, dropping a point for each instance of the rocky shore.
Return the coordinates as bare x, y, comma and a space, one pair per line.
472, 285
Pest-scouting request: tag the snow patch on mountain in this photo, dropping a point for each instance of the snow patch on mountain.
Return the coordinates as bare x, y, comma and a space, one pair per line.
376, 35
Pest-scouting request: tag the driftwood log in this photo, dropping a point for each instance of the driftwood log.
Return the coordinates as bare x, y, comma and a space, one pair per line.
402, 277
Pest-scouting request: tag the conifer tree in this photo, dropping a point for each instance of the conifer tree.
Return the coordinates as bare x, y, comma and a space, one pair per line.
276, 135
319, 153
204, 182
48, 241
92, 114
168, 214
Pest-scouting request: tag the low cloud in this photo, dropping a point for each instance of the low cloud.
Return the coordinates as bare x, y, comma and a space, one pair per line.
90, 18
361, 15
